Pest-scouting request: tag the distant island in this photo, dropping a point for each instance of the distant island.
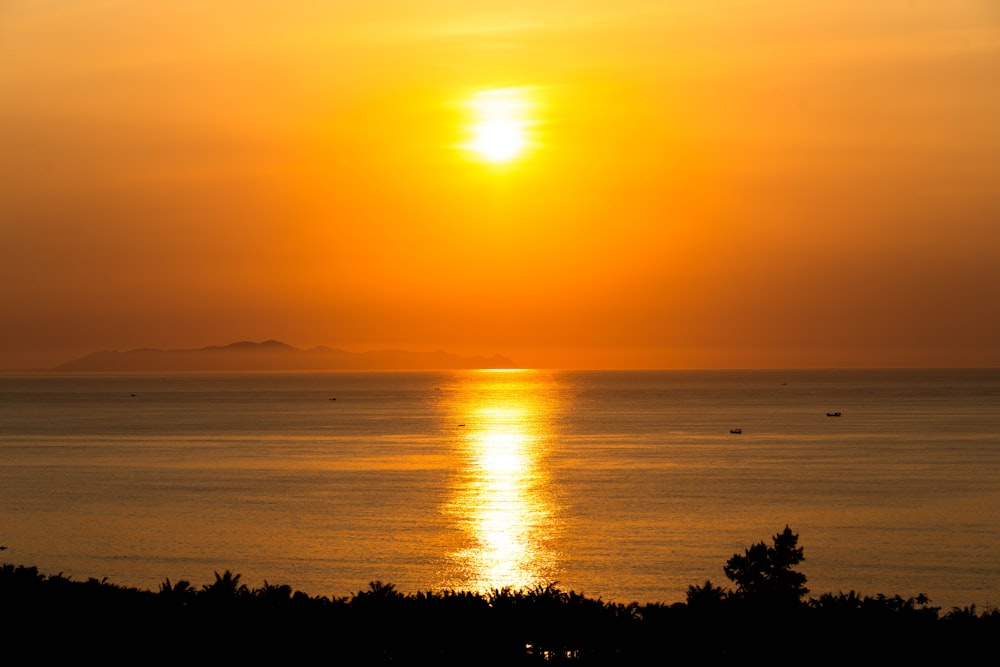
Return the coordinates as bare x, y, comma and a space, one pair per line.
272, 355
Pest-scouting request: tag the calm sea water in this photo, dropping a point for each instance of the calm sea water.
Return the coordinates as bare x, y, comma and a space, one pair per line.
624, 485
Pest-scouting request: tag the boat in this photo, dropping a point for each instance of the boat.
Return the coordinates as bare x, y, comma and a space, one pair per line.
832, 414
736, 431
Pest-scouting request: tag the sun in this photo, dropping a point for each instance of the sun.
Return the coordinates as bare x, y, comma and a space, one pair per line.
499, 124
497, 140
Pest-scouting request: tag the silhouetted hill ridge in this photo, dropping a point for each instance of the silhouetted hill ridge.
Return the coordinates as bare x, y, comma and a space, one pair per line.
273, 355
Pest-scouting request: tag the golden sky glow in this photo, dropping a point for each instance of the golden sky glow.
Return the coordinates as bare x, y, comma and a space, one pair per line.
689, 183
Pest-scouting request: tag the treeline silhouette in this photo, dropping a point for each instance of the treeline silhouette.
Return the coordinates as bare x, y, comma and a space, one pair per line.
765, 615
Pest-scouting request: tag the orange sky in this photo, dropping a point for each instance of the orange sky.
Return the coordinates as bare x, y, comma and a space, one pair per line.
712, 183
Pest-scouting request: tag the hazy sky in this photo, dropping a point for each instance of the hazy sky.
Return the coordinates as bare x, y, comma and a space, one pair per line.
709, 183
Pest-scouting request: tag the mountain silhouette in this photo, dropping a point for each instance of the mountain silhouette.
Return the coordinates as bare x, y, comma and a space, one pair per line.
272, 355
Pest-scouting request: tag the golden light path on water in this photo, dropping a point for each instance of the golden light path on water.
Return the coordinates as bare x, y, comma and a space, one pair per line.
501, 500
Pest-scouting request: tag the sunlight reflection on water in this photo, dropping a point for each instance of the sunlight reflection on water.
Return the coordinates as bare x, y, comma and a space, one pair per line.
500, 498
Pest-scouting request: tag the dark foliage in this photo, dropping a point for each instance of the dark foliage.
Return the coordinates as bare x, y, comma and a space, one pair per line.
49, 618
764, 576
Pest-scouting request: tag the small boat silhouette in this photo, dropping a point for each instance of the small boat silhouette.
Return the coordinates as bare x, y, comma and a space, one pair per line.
832, 414
736, 431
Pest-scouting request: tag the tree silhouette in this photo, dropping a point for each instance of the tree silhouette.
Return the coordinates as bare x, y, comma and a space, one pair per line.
708, 597
227, 588
55, 619
764, 574
179, 594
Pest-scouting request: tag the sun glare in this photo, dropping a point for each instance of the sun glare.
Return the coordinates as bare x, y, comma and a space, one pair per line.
499, 127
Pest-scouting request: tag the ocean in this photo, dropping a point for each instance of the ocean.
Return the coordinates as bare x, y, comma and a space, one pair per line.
629, 486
